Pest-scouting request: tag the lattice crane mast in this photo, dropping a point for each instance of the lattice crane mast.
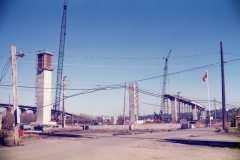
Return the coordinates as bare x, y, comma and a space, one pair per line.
163, 100
60, 60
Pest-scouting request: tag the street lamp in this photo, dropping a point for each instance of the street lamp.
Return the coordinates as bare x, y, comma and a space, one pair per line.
20, 54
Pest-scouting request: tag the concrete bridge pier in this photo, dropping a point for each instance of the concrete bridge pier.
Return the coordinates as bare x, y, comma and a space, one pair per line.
194, 113
72, 119
203, 115
23, 110
189, 108
34, 112
174, 110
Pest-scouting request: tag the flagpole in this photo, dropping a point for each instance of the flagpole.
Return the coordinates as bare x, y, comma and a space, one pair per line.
208, 100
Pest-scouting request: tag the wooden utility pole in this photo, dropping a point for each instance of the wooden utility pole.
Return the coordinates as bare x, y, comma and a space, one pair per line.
224, 115
124, 103
15, 96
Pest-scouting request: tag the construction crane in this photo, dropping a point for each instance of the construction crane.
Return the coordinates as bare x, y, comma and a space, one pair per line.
164, 101
60, 61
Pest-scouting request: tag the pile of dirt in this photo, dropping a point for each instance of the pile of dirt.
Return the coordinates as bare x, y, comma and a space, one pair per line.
7, 137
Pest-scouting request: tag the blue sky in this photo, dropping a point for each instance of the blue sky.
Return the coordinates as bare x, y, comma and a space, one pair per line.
104, 36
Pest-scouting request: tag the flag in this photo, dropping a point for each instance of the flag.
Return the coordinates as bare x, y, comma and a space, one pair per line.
205, 76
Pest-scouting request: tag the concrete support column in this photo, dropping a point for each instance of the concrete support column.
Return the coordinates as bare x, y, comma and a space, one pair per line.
194, 113
203, 115
174, 110
43, 88
34, 112
179, 110
23, 110
72, 119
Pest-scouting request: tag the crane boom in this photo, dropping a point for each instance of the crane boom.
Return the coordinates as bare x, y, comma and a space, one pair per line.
60, 60
163, 102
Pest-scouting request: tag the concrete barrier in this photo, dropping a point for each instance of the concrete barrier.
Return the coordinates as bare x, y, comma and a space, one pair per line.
165, 126
67, 128
109, 127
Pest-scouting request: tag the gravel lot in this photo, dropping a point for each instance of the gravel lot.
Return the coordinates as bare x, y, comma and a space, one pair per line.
144, 146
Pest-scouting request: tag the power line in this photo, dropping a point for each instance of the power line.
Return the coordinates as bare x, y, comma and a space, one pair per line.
142, 91
92, 91
86, 92
186, 70
133, 58
150, 104
5, 68
139, 80
147, 58
194, 55
230, 53
73, 89
149, 93
178, 72
140, 58
115, 66
8, 63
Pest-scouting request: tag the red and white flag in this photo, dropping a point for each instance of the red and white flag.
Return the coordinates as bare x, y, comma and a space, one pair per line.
205, 76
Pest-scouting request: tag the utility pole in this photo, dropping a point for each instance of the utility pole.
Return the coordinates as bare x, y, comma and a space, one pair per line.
124, 103
15, 96
209, 105
63, 109
224, 115
215, 114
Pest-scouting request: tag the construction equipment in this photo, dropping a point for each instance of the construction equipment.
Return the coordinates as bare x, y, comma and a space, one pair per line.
60, 61
163, 107
156, 118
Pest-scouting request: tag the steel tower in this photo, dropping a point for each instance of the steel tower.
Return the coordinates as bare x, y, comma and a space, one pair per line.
60, 60
163, 106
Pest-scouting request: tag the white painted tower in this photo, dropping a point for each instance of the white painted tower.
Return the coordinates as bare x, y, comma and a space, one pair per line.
43, 87
133, 102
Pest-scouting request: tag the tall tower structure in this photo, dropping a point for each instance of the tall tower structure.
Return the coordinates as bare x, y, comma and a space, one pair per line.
43, 87
60, 60
133, 102
164, 107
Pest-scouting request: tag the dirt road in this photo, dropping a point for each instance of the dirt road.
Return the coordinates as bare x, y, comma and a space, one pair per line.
149, 146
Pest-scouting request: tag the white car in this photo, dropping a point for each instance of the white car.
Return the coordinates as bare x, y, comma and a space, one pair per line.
25, 127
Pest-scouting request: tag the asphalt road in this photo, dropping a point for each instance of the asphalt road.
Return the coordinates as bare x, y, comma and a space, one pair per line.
148, 146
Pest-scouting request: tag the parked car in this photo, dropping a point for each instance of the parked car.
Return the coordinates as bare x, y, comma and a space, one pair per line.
25, 127
40, 127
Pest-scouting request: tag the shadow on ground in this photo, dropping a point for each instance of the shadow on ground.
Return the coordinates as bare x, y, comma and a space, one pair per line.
206, 143
63, 135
